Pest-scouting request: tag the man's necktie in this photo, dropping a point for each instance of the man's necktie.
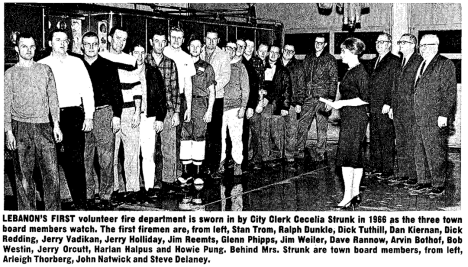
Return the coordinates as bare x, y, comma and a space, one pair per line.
404, 62
420, 73
377, 63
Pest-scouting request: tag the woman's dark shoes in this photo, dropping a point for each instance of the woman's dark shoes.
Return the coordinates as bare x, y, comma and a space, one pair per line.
356, 200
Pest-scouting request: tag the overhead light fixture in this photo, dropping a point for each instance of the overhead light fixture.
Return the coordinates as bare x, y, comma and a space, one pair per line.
351, 13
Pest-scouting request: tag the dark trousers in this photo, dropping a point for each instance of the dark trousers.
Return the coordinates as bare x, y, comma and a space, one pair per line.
102, 139
430, 153
382, 142
35, 144
272, 130
255, 124
71, 155
183, 108
312, 110
245, 142
213, 136
404, 144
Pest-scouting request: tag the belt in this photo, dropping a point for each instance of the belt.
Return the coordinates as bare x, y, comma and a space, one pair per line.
199, 96
101, 107
129, 104
70, 108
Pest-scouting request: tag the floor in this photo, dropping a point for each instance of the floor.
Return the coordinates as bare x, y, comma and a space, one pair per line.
311, 186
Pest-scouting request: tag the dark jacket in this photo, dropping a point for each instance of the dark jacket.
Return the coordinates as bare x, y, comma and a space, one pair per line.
279, 93
321, 75
381, 81
298, 83
436, 92
253, 82
155, 93
403, 89
106, 84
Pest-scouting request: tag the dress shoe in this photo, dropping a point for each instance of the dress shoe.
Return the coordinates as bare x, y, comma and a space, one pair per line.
411, 182
437, 191
152, 193
421, 188
106, 205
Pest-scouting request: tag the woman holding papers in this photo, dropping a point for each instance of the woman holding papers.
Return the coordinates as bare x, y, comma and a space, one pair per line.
354, 93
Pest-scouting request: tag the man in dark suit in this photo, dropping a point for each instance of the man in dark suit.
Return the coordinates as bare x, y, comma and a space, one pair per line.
402, 108
435, 95
382, 71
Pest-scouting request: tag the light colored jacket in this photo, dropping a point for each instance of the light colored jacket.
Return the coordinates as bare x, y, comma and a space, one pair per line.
222, 68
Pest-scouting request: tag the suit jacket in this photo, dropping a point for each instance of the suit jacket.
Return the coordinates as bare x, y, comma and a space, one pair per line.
381, 81
403, 89
436, 92
279, 93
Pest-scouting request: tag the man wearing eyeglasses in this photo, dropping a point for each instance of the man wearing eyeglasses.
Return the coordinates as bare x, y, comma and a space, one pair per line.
109, 103
296, 70
74, 89
435, 95
402, 108
321, 77
382, 70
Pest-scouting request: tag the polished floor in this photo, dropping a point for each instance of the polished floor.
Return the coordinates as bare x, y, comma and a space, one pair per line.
310, 186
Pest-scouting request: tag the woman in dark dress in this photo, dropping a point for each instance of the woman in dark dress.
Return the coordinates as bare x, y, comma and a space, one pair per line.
353, 105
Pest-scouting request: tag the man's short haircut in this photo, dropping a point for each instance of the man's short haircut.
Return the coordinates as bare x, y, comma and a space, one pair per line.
137, 44
159, 32
276, 45
411, 37
288, 44
176, 29
24, 35
90, 34
51, 35
241, 39
195, 38
321, 35
212, 31
432, 36
115, 28
264, 44
389, 37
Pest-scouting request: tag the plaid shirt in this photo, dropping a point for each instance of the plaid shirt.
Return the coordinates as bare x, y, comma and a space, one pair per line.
168, 69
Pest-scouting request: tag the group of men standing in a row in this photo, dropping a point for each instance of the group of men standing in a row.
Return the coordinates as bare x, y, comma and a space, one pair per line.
412, 105
101, 100
190, 102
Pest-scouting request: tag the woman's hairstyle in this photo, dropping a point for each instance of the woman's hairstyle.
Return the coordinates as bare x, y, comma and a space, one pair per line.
355, 45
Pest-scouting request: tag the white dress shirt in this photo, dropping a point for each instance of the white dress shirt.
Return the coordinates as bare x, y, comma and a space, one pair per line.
73, 84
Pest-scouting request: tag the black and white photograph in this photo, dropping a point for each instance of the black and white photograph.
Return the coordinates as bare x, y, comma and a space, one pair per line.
292, 114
